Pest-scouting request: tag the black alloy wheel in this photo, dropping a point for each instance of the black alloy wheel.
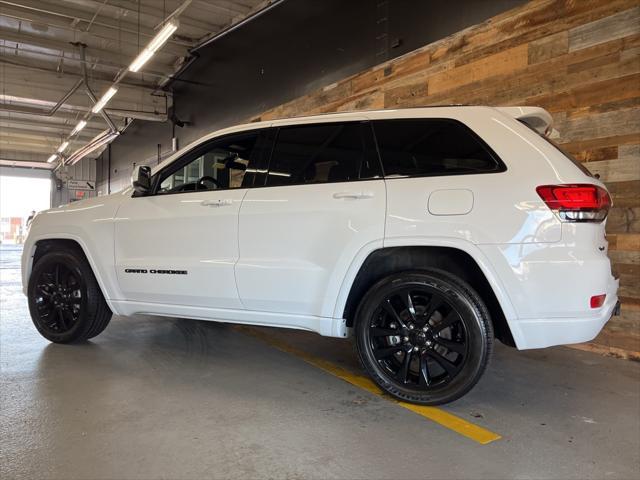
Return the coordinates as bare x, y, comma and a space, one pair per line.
59, 293
424, 337
65, 300
418, 337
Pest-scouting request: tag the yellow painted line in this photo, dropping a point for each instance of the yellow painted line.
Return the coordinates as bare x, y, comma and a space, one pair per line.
438, 415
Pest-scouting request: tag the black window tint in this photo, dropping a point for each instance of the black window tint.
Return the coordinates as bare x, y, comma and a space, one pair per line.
321, 153
229, 162
432, 147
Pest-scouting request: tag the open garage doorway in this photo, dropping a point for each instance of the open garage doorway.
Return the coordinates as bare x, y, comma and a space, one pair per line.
21, 194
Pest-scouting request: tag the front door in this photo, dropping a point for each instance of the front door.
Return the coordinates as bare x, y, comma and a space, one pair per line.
322, 201
179, 244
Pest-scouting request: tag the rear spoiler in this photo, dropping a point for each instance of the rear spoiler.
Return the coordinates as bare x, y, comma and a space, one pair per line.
535, 117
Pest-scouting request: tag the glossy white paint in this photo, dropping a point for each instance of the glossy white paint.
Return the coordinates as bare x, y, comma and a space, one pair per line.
451, 201
90, 223
536, 117
195, 232
287, 256
331, 327
296, 243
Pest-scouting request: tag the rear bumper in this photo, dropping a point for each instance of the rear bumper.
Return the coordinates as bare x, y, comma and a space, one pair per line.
616, 310
541, 333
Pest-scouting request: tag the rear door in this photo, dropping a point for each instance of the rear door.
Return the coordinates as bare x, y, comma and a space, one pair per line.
322, 200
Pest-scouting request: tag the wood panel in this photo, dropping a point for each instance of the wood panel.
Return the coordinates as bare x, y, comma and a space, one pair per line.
578, 59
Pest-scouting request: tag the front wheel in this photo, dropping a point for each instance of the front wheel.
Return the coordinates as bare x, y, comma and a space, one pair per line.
424, 337
65, 300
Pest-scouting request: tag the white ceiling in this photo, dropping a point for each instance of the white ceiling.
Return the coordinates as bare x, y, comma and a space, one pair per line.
40, 63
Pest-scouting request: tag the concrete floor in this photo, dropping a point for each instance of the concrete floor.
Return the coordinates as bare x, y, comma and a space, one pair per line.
169, 398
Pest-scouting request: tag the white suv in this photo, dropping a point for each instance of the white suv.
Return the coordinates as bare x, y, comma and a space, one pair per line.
422, 232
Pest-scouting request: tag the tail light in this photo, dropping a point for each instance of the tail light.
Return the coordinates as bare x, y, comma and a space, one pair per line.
597, 300
577, 202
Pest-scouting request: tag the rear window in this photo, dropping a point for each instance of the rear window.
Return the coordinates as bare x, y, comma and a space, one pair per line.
432, 147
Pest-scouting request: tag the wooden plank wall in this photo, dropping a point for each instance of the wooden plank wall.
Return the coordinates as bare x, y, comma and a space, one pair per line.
580, 60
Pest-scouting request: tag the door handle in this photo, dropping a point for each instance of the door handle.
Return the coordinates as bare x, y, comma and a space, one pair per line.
354, 195
217, 203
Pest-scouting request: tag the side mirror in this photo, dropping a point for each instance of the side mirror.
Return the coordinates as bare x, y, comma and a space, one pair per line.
141, 179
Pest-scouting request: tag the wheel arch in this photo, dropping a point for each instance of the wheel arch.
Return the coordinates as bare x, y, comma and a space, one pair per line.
394, 259
45, 244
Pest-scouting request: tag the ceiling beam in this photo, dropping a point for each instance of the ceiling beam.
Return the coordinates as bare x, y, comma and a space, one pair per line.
8, 162
20, 145
15, 155
66, 15
40, 62
36, 101
151, 14
119, 112
232, 9
53, 123
61, 120
111, 37
11, 128
97, 59
21, 67
29, 147
29, 137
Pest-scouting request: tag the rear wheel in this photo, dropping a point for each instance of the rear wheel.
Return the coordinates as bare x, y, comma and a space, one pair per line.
65, 301
424, 337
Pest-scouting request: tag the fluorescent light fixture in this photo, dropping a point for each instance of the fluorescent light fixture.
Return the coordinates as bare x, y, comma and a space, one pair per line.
154, 45
163, 35
62, 147
52, 158
99, 141
140, 60
105, 98
81, 124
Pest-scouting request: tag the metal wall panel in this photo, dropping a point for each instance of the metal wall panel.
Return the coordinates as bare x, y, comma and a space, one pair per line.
83, 170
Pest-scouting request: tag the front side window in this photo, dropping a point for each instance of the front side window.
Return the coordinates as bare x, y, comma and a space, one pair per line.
323, 153
432, 147
219, 164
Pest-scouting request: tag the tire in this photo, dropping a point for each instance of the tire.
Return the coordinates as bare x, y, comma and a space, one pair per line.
65, 301
424, 336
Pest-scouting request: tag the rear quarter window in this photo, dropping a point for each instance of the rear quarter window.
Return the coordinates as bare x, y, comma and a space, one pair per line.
432, 147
